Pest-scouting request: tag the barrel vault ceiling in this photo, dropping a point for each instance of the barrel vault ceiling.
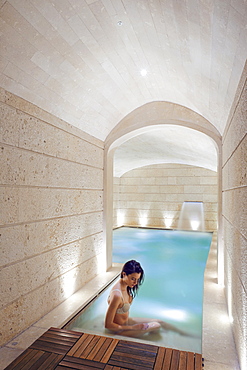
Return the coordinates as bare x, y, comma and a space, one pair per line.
92, 62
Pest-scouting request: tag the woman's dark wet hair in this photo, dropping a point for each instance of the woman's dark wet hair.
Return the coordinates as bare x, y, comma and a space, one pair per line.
131, 267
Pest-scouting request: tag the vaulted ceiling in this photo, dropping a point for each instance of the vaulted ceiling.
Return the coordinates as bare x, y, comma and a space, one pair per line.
92, 62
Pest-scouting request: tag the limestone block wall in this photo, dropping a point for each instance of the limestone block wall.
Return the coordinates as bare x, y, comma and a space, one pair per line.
154, 195
50, 215
234, 212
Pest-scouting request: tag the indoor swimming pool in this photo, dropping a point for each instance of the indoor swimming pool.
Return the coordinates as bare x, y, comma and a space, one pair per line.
174, 264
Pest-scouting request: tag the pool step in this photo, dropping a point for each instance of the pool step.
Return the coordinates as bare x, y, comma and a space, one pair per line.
64, 349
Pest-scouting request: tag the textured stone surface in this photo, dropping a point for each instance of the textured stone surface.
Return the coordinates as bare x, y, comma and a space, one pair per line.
74, 61
51, 213
158, 192
235, 219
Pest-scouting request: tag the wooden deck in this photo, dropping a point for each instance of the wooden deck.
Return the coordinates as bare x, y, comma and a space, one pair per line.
63, 350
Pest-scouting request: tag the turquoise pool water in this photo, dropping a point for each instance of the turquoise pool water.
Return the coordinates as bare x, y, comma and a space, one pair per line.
174, 264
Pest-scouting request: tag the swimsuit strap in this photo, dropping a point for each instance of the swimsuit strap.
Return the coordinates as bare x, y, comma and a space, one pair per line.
117, 290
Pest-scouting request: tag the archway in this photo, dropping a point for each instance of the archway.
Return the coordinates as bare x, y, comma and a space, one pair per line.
143, 120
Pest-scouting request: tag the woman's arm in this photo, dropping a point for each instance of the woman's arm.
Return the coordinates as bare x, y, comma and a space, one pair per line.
111, 312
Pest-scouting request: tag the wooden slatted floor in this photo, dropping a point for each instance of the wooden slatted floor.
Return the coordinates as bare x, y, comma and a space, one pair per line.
63, 350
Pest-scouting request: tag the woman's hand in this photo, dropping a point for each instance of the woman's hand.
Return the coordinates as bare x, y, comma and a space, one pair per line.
143, 326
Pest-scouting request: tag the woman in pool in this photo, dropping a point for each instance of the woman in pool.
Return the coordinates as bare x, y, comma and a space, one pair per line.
117, 318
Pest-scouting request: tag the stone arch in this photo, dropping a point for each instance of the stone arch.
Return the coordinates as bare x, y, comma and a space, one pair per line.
144, 119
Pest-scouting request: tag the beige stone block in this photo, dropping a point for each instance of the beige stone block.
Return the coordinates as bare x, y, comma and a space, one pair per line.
89, 153
29, 168
34, 169
181, 197
155, 214
87, 224
193, 189
30, 307
58, 232
148, 189
212, 198
12, 241
171, 189
236, 200
162, 180
9, 127
9, 200
88, 177
205, 180
211, 225
31, 133
129, 189
237, 298
10, 165
225, 177
210, 216
42, 203
12, 320
236, 247
238, 166
240, 339
12, 281
237, 130
37, 271
83, 201
195, 180
211, 207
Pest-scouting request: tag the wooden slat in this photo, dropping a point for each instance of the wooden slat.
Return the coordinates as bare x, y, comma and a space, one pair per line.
128, 366
86, 340
109, 351
47, 361
190, 361
160, 358
77, 345
90, 347
70, 362
25, 358
174, 360
143, 349
14, 364
60, 349
182, 360
64, 332
56, 341
59, 339
167, 359
139, 346
51, 347
103, 349
94, 354
198, 361
34, 359
31, 364
133, 358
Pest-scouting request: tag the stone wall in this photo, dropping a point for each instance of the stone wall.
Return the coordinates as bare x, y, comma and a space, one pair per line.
234, 212
156, 193
51, 212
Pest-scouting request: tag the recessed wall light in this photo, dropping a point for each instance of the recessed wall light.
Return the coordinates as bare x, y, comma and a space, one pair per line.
119, 23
